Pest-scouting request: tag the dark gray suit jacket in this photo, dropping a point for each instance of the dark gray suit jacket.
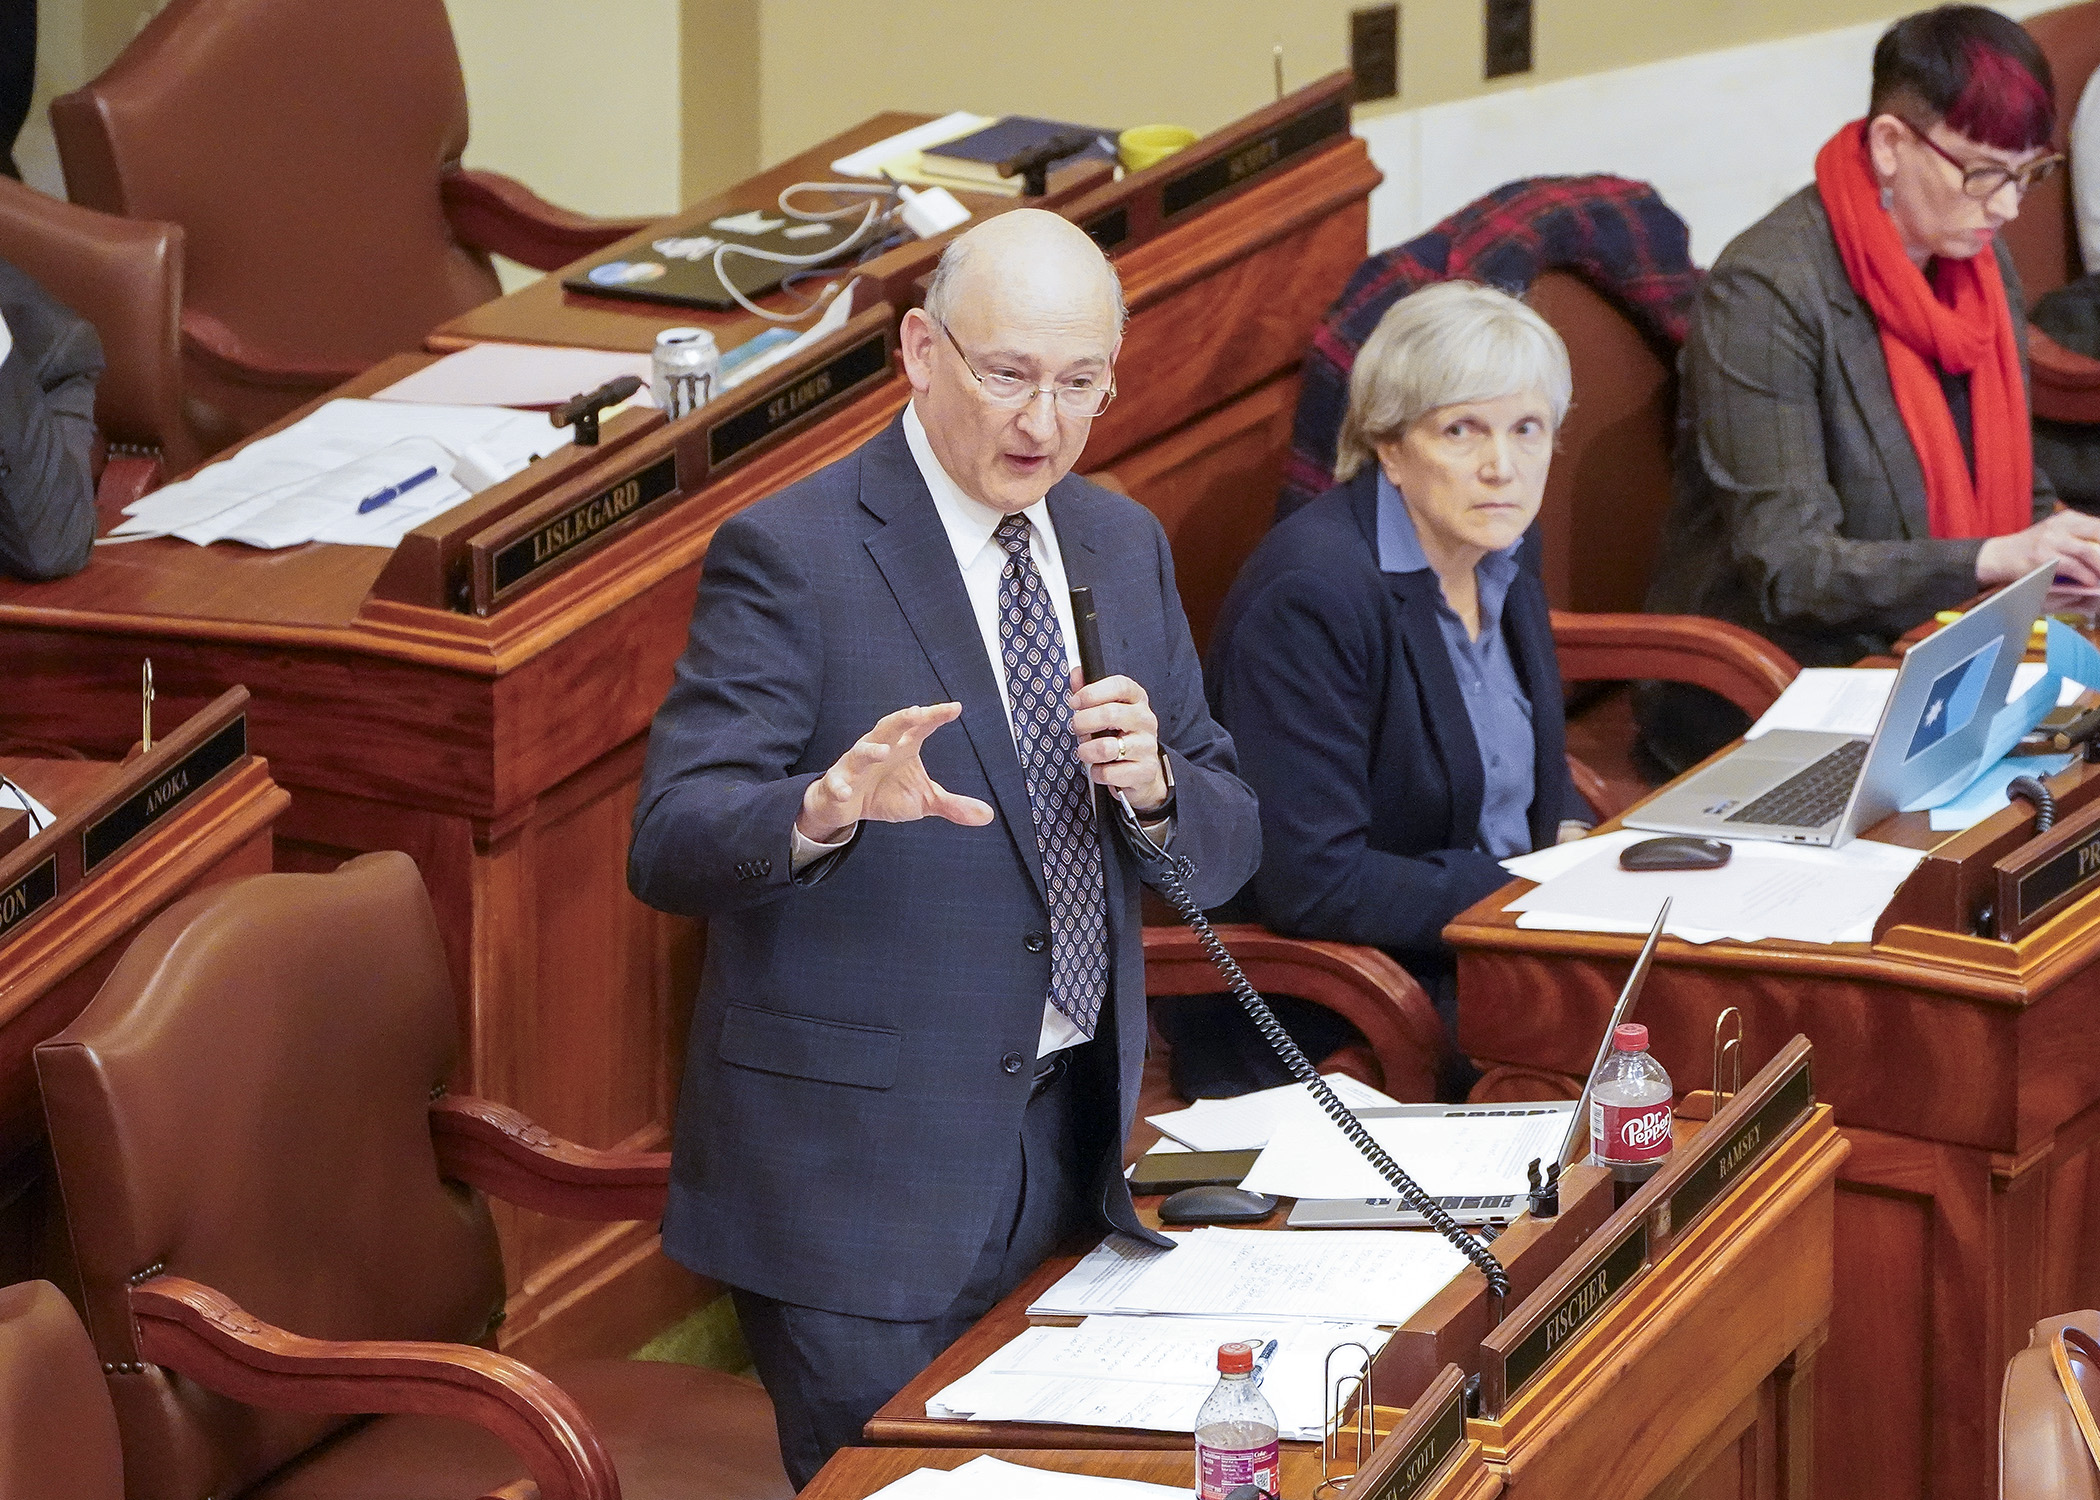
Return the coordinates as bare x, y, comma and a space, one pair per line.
1800, 507
47, 432
865, 1033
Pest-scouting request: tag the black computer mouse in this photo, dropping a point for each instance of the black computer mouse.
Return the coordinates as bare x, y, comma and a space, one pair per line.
1679, 851
1216, 1204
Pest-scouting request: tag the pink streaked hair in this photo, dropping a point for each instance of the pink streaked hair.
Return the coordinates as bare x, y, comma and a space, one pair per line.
2002, 104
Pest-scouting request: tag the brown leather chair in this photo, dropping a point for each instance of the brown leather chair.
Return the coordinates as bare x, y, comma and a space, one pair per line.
125, 277
2046, 1440
277, 1218
311, 150
2044, 239
58, 1436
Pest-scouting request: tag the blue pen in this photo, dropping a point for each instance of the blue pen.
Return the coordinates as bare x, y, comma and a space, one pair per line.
378, 498
1261, 1360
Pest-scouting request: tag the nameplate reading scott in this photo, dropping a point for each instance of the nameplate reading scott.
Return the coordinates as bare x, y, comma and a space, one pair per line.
563, 533
1576, 1307
1110, 229
1254, 158
1419, 1464
174, 786
801, 399
1725, 1159
28, 896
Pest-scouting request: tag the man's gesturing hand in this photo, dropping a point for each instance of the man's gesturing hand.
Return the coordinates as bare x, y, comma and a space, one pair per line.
882, 778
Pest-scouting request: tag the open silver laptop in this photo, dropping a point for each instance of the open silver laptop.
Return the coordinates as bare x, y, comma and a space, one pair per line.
1548, 1127
1808, 788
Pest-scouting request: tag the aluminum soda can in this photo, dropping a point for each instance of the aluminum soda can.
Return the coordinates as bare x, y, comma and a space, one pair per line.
685, 372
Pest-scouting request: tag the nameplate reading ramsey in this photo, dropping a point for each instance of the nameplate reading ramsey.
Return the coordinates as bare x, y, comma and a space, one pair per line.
28, 896
812, 392
1727, 1158
1263, 154
173, 787
1420, 1463
571, 528
1577, 1306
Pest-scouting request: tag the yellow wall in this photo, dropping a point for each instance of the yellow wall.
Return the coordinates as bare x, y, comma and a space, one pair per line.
1200, 63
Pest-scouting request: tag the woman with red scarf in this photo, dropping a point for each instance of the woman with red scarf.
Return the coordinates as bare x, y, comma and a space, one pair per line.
1854, 448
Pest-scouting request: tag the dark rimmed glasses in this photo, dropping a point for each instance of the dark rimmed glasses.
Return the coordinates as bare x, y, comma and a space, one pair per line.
1075, 398
1982, 180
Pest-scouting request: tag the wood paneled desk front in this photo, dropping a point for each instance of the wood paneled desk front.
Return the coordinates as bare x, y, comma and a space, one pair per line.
502, 750
128, 840
1965, 1073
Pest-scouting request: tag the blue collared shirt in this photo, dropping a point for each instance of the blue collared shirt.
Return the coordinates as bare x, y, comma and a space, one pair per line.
1496, 702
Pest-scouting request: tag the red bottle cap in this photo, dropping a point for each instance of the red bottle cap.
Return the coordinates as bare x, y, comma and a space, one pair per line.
1235, 1359
1630, 1038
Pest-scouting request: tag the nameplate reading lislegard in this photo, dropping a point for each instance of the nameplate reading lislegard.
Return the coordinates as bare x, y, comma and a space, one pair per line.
1264, 153
801, 400
569, 529
28, 896
1576, 1307
168, 791
1723, 1161
1425, 1455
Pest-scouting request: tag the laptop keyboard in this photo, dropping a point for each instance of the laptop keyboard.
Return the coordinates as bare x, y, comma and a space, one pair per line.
1811, 796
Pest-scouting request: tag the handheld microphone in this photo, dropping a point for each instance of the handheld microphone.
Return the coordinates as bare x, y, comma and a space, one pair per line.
1087, 627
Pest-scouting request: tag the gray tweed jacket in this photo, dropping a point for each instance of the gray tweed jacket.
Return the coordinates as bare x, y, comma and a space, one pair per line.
1800, 508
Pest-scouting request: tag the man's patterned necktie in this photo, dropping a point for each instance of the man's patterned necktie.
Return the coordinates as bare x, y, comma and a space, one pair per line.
1060, 795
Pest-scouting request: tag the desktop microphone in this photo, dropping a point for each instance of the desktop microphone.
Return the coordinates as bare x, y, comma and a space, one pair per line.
1087, 627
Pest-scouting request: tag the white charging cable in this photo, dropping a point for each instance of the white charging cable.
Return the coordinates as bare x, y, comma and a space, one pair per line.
872, 214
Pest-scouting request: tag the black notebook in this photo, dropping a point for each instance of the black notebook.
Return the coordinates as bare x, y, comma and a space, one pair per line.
978, 155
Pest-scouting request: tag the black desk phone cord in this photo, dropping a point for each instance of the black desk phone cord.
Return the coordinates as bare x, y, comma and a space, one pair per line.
1170, 871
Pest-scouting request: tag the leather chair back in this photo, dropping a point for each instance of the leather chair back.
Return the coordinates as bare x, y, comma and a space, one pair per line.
125, 277
57, 1436
2044, 239
299, 143
246, 1103
2042, 1453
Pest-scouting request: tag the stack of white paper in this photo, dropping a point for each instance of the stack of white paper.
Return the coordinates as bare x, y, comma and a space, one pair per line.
1448, 1156
1247, 1122
1327, 1275
304, 484
1148, 1373
1766, 890
988, 1478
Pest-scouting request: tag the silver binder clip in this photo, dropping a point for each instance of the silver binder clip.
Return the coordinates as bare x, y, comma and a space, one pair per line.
146, 706
1346, 1415
1728, 1055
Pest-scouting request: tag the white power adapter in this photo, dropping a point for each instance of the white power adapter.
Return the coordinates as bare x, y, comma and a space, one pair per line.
932, 212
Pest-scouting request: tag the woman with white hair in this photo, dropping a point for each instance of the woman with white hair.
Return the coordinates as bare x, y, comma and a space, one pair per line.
1385, 661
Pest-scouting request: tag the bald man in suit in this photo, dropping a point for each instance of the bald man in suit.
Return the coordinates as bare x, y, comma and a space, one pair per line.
916, 1047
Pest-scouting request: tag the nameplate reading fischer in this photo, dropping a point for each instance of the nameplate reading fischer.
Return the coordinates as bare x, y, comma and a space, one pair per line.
1576, 1307
1419, 1464
175, 785
800, 400
28, 896
564, 532
1264, 153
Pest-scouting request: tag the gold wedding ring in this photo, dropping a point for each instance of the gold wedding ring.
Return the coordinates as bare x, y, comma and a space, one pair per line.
1119, 749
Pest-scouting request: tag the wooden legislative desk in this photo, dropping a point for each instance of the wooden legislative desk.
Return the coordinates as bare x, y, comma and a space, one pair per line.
1964, 1073
502, 750
63, 926
1692, 1375
855, 1473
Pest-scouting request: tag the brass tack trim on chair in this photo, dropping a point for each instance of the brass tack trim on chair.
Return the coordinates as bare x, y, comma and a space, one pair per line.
149, 1273
437, 1092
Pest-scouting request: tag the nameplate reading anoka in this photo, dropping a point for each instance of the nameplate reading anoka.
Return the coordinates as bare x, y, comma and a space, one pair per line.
1420, 1461
1722, 1161
167, 791
1258, 157
28, 896
1606, 1276
584, 521
799, 400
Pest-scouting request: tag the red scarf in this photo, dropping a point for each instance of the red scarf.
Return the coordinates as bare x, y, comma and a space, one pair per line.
1959, 322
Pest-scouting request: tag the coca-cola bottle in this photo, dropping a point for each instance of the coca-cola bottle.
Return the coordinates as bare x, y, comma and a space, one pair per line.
1630, 1110
1235, 1430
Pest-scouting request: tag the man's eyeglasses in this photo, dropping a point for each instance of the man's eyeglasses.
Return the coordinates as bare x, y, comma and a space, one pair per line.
1984, 179
1084, 397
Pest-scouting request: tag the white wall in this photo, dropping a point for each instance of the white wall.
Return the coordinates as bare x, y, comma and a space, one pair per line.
1723, 136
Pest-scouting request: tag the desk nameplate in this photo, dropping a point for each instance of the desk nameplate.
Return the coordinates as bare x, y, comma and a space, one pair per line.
1741, 1135
35, 878
1514, 1354
1421, 1447
1271, 140
2048, 873
578, 524
801, 392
